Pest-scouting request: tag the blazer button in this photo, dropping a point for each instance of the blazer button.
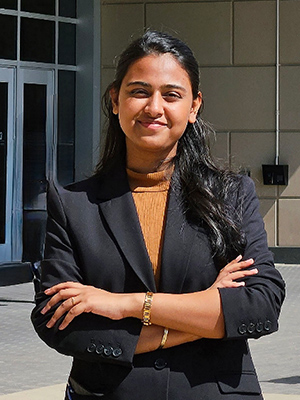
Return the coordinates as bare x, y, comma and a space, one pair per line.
91, 348
259, 327
242, 329
117, 352
251, 327
160, 363
107, 351
267, 325
99, 349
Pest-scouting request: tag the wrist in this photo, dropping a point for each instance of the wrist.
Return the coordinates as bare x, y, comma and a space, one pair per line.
133, 305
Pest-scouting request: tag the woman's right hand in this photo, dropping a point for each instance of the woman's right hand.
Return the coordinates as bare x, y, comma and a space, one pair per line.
233, 271
76, 298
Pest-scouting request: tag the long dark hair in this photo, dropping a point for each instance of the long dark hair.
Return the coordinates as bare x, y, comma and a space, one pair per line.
204, 187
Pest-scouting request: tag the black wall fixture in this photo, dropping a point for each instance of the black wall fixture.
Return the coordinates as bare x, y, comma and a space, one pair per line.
275, 174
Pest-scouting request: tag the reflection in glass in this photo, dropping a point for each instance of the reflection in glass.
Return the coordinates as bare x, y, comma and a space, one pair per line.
3, 150
34, 170
39, 6
9, 4
66, 44
8, 37
37, 40
66, 126
34, 146
34, 230
67, 8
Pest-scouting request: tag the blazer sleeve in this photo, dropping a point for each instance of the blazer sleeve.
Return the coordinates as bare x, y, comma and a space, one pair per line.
253, 310
89, 337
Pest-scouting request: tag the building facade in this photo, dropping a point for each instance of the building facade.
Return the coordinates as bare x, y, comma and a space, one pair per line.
57, 56
49, 115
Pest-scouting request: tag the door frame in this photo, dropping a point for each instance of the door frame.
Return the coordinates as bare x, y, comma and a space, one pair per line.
7, 75
30, 76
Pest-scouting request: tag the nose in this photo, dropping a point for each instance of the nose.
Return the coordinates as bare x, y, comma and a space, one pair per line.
154, 106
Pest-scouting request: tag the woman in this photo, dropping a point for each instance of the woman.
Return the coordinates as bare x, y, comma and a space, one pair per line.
160, 235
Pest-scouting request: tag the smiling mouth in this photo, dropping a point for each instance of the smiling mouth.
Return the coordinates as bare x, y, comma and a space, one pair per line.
152, 124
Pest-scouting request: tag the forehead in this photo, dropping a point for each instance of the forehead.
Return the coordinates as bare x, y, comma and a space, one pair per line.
162, 68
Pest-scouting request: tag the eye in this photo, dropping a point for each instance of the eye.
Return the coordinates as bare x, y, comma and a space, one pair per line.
139, 93
172, 96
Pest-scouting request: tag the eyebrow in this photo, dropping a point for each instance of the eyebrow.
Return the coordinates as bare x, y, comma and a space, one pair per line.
141, 83
146, 84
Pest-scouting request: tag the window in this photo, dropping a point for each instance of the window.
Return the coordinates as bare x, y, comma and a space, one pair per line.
40, 6
38, 32
9, 4
37, 40
66, 44
67, 8
8, 37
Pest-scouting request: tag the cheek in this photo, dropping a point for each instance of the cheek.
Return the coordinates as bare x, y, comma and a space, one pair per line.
128, 109
184, 116
126, 119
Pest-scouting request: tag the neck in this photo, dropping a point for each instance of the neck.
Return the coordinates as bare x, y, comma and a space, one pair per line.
146, 163
147, 168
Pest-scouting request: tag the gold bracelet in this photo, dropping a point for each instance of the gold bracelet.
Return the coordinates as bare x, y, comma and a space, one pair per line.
164, 338
147, 309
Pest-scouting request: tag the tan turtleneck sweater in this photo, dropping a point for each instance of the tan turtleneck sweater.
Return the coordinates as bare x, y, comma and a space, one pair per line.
150, 193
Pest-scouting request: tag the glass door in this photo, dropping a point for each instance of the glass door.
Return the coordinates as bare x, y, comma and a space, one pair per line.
35, 155
6, 161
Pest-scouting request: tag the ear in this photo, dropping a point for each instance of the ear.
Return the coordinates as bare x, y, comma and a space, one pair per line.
196, 104
114, 96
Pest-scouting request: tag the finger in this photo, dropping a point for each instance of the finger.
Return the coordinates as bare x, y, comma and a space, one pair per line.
229, 284
234, 261
62, 309
230, 280
237, 259
60, 286
74, 312
239, 266
241, 274
63, 294
237, 284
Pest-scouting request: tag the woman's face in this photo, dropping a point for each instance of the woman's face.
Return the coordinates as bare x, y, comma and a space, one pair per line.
154, 105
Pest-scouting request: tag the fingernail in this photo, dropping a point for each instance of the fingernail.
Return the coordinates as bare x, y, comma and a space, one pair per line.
47, 291
239, 257
49, 324
43, 311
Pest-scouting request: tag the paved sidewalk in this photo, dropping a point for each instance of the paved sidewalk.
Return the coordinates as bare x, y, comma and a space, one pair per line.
32, 371
277, 356
57, 393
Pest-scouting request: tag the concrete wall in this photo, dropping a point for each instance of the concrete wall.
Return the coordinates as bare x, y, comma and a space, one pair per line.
235, 44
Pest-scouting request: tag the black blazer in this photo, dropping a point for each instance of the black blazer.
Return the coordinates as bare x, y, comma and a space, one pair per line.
94, 237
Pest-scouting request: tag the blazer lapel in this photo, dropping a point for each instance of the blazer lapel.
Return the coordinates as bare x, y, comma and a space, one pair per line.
178, 242
117, 206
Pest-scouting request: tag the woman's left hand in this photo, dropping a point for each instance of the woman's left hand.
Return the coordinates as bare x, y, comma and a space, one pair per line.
78, 298
233, 271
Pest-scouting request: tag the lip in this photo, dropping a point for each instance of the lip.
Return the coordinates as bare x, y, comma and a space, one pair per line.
152, 124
